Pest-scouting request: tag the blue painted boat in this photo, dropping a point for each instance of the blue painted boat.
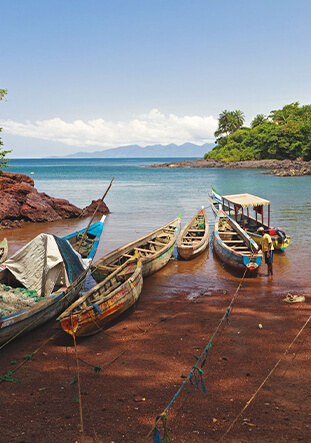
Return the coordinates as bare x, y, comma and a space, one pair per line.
43, 278
234, 246
238, 206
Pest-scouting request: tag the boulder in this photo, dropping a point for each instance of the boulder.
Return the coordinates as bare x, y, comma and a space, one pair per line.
102, 208
20, 201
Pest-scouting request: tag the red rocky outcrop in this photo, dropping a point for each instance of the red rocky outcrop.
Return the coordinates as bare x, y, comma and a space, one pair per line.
20, 201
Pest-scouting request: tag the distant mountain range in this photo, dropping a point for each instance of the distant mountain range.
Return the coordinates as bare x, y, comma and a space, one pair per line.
155, 151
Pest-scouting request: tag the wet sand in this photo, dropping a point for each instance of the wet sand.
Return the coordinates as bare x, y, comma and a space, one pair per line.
146, 355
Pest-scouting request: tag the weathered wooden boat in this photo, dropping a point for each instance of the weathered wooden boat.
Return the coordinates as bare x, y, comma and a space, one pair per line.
235, 205
42, 279
155, 250
86, 244
194, 237
234, 246
3, 250
104, 302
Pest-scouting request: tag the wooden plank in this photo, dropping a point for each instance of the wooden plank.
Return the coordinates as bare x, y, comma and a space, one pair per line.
108, 267
144, 250
157, 243
227, 232
233, 241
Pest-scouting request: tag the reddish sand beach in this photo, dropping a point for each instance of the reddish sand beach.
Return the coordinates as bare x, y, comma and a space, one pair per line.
130, 373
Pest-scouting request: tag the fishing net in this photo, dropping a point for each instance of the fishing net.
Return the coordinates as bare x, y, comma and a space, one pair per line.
16, 299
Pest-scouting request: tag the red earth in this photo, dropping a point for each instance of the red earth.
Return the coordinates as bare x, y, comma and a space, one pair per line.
113, 385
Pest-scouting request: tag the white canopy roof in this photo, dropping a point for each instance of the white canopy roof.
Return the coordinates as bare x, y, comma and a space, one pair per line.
245, 200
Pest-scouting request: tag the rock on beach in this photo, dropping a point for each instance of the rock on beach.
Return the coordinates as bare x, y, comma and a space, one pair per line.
277, 167
20, 201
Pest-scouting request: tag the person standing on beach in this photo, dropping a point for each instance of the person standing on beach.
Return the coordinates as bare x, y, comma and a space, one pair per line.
267, 248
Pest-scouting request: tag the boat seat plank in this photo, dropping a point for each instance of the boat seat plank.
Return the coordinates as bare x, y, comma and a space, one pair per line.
156, 243
233, 241
144, 250
107, 267
228, 232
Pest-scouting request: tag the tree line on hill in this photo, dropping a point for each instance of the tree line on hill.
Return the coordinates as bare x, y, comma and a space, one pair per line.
284, 134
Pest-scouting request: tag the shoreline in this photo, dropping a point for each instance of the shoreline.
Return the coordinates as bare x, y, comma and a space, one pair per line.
146, 355
282, 168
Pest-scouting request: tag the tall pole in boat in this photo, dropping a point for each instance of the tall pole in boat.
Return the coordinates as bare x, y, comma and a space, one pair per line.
92, 218
243, 218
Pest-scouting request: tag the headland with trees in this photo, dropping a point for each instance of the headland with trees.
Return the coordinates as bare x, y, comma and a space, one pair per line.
283, 135
280, 142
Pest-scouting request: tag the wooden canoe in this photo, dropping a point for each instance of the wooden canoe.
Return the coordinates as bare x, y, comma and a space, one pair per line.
30, 315
233, 207
3, 250
194, 237
155, 250
234, 246
105, 301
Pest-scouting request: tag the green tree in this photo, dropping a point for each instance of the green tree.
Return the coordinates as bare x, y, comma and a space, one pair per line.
229, 121
258, 120
3, 160
286, 134
288, 112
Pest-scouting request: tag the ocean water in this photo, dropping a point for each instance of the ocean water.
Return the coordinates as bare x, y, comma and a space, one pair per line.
143, 198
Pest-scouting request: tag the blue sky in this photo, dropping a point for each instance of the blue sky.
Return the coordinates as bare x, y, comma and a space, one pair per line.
90, 75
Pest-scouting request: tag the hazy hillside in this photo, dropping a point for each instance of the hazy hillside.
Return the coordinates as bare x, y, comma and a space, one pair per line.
135, 151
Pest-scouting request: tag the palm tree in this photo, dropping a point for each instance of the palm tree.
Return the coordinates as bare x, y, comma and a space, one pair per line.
238, 119
229, 121
258, 120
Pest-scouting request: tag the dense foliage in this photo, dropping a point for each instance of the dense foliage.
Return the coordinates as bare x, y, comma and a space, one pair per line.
285, 134
3, 160
229, 121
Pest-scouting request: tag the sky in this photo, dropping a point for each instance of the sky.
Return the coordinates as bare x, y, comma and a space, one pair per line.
98, 74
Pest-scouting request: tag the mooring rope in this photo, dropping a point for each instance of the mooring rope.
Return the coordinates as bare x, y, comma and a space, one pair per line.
196, 373
79, 386
265, 380
28, 357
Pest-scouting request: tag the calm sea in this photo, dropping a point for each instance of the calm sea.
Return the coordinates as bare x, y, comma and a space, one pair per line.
142, 199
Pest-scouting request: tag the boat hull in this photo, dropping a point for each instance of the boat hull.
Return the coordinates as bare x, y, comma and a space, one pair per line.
278, 243
249, 260
3, 250
29, 318
41, 312
92, 319
189, 246
151, 263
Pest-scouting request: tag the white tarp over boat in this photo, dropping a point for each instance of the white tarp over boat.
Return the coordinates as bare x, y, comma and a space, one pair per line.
44, 264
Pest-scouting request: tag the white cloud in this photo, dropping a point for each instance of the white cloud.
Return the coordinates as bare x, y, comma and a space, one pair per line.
145, 129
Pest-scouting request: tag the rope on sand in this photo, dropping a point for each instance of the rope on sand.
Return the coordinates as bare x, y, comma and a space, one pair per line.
194, 375
262, 384
79, 386
8, 377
